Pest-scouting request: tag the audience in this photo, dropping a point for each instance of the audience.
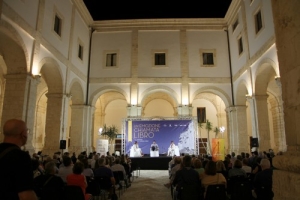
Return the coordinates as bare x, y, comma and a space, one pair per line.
211, 177
263, 181
66, 168
76, 178
237, 170
48, 183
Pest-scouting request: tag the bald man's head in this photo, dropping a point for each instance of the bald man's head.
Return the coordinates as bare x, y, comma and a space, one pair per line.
16, 129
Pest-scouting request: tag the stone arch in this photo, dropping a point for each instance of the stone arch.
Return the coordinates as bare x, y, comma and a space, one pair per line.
95, 96
214, 90
241, 92
174, 98
77, 93
51, 72
13, 50
265, 73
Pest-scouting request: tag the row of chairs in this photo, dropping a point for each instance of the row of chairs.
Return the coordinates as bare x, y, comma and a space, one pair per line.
237, 188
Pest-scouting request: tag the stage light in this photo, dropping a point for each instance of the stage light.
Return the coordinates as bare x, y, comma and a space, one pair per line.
99, 131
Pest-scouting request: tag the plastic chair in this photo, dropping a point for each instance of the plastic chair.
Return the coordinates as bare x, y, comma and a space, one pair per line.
73, 192
93, 187
190, 192
241, 188
216, 192
104, 184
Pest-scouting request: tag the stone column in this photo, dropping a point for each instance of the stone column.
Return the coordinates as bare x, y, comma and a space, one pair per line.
238, 140
78, 134
278, 126
53, 129
252, 109
286, 180
89, 128
98, 123
263, 126
20, 101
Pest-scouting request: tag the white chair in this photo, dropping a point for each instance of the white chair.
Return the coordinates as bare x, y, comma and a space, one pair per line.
154, 153
135, 153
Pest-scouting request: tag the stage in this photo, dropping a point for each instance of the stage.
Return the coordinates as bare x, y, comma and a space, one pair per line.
145, 162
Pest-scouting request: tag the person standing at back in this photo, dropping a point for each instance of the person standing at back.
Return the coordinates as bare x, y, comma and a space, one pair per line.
15, 165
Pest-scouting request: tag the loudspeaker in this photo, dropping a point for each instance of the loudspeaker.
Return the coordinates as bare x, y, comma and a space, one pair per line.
62, 144
254, 142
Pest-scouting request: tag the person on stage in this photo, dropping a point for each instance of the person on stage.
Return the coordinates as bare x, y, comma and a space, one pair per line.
171, 150
154, 146
137, 150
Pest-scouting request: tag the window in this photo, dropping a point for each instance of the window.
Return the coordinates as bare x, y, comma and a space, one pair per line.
201, 114
80, 52
236, 23
258, 21
111, 60
208, 58
159, 59
240, 45
57, 25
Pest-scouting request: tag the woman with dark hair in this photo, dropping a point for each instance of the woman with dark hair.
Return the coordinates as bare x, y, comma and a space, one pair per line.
78, 179
87, 171
237, 169
211, 177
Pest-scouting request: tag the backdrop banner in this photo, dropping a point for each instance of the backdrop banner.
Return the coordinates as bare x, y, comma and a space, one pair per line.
182, 132
218, 149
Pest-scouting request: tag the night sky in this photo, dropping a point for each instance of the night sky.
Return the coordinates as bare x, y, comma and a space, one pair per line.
114, 10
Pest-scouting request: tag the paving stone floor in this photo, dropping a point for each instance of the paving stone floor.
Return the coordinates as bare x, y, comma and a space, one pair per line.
148, 186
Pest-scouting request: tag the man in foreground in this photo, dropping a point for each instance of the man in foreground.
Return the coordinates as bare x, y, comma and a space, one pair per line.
15, 165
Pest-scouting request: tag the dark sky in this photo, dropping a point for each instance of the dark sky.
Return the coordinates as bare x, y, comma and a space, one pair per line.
110, 10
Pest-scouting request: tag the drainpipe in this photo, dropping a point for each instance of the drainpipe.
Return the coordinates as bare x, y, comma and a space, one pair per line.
230, 66
89, 68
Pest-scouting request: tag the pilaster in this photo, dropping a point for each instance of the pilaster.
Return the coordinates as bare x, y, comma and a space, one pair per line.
263, 126
53, 131
238, 140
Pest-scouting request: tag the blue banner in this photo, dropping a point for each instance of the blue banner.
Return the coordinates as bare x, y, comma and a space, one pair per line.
143, 133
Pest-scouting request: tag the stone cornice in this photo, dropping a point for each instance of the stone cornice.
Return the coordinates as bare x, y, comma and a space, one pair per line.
160, 24
159, 80
232, 11
83, 11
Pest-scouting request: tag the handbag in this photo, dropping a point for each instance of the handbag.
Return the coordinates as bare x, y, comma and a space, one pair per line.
114, 196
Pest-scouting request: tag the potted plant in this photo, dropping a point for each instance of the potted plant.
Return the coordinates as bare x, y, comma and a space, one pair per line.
208, 127
110, 132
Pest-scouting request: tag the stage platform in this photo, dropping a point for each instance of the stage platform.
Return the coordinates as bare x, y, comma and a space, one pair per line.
145, 162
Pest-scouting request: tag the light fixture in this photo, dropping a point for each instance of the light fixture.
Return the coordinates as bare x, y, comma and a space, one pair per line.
100, 131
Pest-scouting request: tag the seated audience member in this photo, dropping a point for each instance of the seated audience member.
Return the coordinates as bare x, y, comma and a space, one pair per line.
198, 167
221, 168
263, 181
94, 162
49, 181
87, 171
35, 168
76, 178
118, 167
66, 168
74, 158
123, 162
104, 171
211, 177
177, 166
246, 167
237, 170
227, 162
186, 176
